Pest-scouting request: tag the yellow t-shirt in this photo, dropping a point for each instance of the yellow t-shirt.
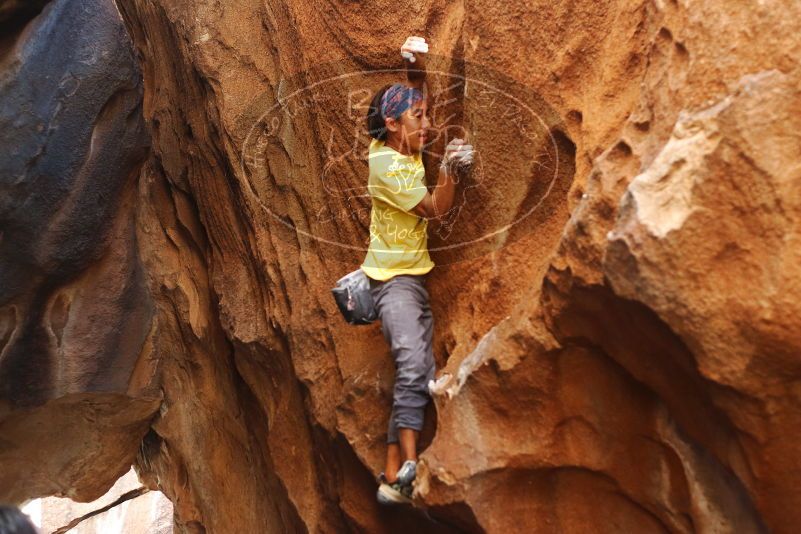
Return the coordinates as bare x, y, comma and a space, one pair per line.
398, 237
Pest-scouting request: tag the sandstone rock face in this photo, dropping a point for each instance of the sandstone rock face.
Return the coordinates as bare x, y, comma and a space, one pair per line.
614, 298
75, 313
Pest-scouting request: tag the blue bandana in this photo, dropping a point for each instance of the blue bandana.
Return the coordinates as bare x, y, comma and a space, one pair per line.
397, 99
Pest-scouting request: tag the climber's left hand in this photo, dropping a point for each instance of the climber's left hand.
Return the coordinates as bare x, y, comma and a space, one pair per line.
413, 49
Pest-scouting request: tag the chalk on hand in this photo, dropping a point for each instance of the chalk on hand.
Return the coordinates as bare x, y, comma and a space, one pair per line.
413, 46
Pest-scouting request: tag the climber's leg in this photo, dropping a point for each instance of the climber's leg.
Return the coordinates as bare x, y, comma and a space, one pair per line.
407, 324
393, 462
392, 429
398, 452
409, 437
422, 371
408, 443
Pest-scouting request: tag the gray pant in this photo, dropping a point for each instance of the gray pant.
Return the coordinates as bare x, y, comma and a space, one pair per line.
408, 327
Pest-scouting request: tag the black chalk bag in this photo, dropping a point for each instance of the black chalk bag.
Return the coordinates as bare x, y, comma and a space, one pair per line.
352, 295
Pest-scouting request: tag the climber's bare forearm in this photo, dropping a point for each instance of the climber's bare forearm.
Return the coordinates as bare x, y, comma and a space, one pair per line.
438, 203
416, 72
444, 192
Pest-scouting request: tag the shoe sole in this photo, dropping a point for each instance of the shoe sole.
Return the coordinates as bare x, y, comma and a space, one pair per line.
390, 496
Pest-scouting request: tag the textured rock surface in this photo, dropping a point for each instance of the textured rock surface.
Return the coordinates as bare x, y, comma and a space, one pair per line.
626, 360
75, 313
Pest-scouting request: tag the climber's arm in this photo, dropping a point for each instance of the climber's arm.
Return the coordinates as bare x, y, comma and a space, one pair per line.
437, 204
415, 70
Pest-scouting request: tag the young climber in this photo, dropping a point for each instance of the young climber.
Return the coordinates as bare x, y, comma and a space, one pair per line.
397, 260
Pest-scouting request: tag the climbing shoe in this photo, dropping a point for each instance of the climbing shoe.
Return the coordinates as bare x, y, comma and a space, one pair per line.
407, 472
392, 494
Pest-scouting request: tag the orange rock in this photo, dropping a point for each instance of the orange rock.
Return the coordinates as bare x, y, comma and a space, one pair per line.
615, 296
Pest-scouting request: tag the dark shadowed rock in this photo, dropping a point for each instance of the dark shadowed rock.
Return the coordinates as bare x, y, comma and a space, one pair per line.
74, 308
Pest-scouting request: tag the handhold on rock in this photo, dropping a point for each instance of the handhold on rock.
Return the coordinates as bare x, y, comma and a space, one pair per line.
437, 387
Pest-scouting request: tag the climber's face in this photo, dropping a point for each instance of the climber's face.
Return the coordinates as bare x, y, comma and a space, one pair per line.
411, 129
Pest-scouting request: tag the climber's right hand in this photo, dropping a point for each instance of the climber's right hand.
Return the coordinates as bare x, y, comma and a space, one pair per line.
458, 152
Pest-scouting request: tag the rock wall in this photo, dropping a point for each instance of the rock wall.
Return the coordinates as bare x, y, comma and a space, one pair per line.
76, 379
616, 311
